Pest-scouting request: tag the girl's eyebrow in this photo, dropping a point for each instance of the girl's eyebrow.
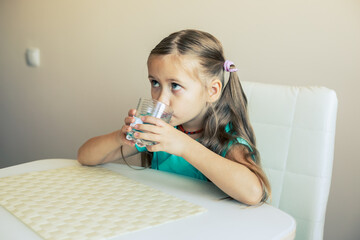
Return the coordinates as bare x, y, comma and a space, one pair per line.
168, 80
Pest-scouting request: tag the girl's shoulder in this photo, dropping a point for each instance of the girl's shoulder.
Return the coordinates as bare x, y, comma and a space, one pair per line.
236, 140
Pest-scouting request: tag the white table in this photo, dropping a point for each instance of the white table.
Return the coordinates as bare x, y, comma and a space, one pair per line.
225, 219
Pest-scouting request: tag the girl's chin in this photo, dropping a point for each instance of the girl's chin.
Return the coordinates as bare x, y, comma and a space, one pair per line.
174, 121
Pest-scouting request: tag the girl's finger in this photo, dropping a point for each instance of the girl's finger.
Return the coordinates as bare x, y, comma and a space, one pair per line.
126, 129
153, 120
147, 128
132, 112
154, 148
129, 120
130, 143
148, 136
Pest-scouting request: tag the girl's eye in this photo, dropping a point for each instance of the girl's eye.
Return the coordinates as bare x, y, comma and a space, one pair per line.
175, 86
154, 83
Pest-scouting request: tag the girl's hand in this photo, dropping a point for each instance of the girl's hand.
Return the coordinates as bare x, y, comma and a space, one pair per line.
127, 128
168, 138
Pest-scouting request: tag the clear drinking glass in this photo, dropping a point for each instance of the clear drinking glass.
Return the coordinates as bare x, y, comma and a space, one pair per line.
148, 107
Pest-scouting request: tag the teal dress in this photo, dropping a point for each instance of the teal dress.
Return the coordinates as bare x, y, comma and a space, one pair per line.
171, 163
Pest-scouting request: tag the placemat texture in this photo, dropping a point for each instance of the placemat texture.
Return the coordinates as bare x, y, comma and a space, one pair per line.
88, 203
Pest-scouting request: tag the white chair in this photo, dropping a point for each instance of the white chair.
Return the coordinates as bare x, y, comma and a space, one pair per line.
295, 131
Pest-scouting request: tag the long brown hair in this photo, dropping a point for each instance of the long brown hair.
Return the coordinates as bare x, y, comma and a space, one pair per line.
231, 108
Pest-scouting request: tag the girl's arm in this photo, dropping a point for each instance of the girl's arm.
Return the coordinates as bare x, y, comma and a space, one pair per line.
230, 175
105, 148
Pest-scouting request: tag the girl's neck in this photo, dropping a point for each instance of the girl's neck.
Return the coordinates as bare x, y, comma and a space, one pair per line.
191, 132
195, 124
195, 136
188, 128
181, 128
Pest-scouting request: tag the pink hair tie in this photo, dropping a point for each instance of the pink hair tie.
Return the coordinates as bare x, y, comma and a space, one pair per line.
227, 65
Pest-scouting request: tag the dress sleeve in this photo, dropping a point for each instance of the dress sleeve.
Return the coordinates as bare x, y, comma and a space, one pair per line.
241, 141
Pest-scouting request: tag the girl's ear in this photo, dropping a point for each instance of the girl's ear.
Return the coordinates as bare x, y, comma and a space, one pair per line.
215, 90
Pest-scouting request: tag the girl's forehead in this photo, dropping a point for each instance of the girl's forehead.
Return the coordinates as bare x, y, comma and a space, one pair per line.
174, 64
175, 59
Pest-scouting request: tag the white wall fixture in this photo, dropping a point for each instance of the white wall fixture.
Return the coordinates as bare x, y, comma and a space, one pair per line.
33, 57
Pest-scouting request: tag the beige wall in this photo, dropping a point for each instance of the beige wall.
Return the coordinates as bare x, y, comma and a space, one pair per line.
93, 69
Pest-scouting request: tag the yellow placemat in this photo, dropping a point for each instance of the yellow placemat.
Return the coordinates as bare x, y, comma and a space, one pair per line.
88, 203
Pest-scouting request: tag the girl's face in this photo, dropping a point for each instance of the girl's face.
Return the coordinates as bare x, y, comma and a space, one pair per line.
174, 82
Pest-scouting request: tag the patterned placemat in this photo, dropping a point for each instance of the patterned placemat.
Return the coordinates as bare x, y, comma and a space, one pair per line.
88, 203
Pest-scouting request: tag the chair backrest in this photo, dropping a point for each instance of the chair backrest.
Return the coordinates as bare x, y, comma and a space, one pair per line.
295, 132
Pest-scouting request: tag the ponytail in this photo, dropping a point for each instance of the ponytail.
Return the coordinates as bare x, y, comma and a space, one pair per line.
232, 108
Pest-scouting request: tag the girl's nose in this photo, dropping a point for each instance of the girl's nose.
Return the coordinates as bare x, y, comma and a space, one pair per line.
164, 98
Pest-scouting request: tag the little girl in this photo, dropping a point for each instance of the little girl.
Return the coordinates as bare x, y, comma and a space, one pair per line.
212, 139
